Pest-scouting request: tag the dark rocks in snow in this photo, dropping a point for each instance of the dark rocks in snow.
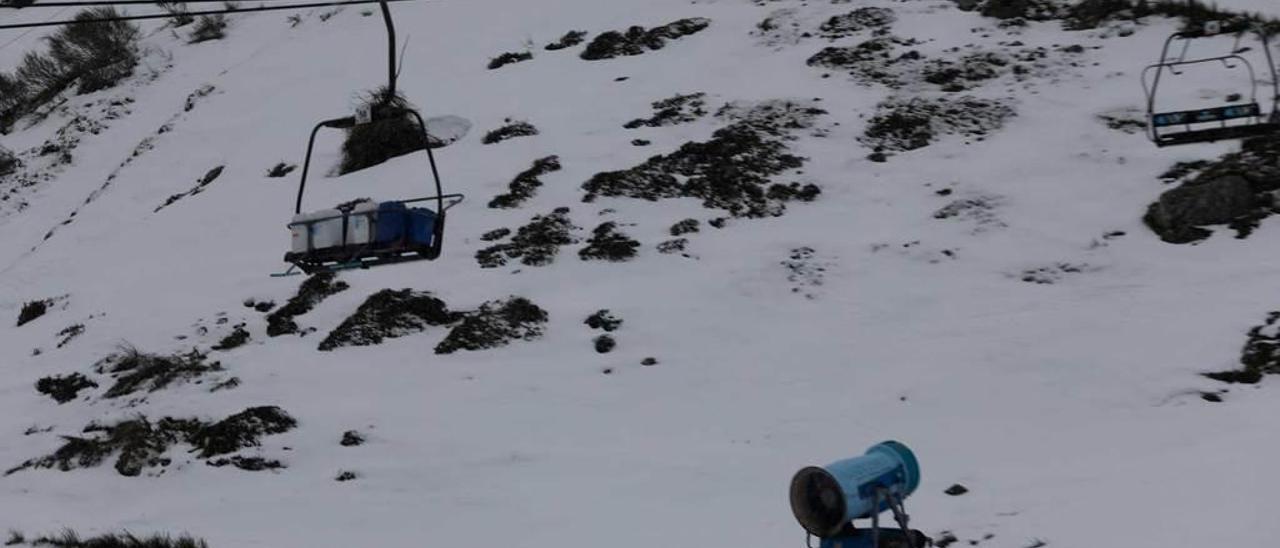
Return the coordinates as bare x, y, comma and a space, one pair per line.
603, 319
314, 290
346, 475
1238, 189
637, 40
679, 109
604, 344
136, 371
535, 244
874, 61
570, 39
980, 209
607, 243
389, 314
201, 184
510, 130
140, 443
1047, 275
641, 142
649, 362
857, 20
673, 246
1260, 355
969, 69
901, 125
956, 490
64, 388
509, 58
526, 184
495, 324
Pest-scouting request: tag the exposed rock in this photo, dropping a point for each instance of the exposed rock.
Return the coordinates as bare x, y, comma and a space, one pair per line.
637, 40
316, 289
495, 324
64, 388
389, 314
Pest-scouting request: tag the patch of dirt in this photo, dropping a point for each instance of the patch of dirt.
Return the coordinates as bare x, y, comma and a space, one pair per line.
534, 244
1051, 274
64, 388
679, 109
909, 124
389, 314
607, 243
510, 130
979, 209
314, 290
495, 324
526, 184
637, 40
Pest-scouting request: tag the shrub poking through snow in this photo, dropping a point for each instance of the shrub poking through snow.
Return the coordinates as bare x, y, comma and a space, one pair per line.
526, 184
136, 371
393, 132
732, 171
201, 184
675, 110
280, 170
901, 125
71, 539
534, 244
8, 161
570, 39
607, 243
178, 11
510, 130
32, 310
603, 319
208, 28
509, 58
346, 475
237, 338
98, 55
1260, 356
1238, 190
495, 324
241, 430
248, 464
389, 314
64, 388
495, 234
687, 226
637, 40
316, 289
139, 443
857, 20
70, 333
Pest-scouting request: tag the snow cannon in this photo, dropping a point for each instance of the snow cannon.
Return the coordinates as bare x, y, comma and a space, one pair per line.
827, 500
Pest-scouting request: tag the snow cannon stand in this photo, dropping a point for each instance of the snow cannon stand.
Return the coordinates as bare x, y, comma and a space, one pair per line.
827, 500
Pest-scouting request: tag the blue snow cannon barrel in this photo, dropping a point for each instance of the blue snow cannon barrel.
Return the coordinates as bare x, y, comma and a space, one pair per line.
825, 499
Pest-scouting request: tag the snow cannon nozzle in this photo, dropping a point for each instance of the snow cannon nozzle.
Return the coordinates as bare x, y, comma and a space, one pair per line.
826, 500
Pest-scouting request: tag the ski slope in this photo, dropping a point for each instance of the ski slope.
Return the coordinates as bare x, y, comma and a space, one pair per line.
1071, 409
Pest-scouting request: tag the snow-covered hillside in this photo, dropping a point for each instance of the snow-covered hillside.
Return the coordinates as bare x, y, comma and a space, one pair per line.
992, 299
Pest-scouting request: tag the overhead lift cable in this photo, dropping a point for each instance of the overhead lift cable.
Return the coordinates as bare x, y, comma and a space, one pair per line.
256, 9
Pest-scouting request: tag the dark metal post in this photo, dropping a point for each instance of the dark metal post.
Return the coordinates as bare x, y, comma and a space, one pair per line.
391, 50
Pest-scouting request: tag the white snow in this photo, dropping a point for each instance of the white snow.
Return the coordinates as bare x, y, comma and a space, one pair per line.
1071, 410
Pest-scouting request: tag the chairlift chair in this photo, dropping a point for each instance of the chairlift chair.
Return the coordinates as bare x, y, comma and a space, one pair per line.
1239, 120
363, 234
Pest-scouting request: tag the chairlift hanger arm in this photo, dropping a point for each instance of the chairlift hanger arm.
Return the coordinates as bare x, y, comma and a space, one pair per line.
255, 9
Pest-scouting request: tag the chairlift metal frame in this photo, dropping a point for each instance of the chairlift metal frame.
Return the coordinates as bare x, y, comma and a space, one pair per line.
1258, 122
348, 256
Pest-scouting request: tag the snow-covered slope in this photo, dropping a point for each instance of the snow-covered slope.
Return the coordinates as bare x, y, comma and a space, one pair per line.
1071, 409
